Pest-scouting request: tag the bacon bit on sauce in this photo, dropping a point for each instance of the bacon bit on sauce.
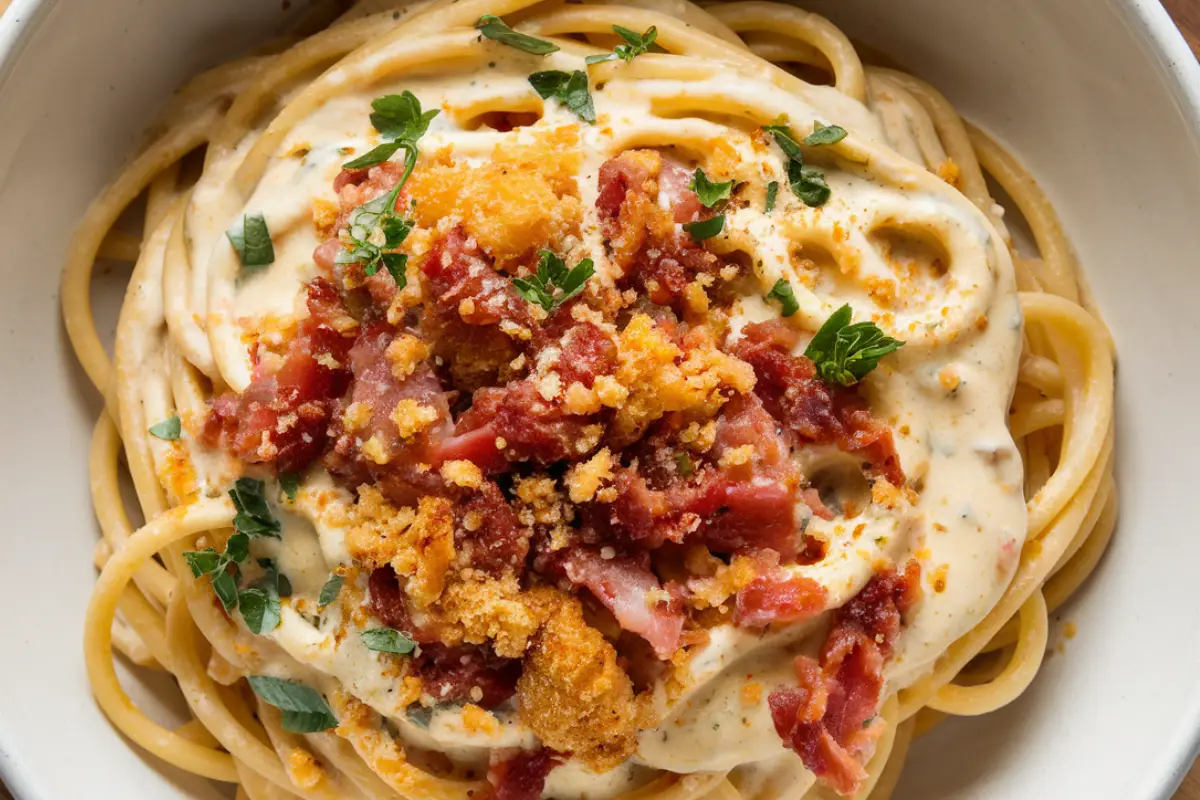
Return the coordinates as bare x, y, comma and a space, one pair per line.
775, 597
521, 775
826, 718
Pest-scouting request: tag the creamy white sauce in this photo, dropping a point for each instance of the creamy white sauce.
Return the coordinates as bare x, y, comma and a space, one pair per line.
968, 521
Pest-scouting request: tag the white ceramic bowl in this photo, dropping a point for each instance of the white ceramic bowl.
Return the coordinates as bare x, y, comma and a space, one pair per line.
1101, 98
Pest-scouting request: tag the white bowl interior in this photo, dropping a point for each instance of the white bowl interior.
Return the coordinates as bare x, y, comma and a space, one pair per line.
1091, 101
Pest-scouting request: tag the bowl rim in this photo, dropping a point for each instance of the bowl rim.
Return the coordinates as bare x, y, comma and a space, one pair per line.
1178, 68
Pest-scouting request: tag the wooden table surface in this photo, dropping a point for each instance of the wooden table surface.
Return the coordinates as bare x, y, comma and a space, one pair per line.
1187, 16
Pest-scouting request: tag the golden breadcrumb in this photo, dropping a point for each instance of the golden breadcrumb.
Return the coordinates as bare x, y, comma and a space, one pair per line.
418, 546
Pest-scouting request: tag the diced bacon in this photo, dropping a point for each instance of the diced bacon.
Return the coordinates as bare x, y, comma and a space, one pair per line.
521, 776
386, 600
587, 353
473, 316
451, 674
326, 255
407, 471
488, 533
777, 597
655, 257
827, 718
281, 418
627, 588
734, 508
812, 409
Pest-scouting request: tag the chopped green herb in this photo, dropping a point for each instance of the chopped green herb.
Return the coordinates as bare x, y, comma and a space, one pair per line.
844, 353
568, 88
260, 608
304, 710
289, 482
275, 578
224, 584
705, 228
709, 192
635, 45
237, 547
399, 116
330, 590
254, 516
387, 640
168, 429
808, 183
252, 241
421, 717
684, 465
374, 228
772, 194
553, 284
496, 29
222, 568
782, 291
825, 134
202, 562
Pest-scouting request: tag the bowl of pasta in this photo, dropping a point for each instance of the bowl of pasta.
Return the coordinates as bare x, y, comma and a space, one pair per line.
519, 399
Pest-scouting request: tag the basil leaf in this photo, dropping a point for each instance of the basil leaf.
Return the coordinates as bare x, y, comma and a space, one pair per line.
782, 291
845, 353
553, 284
168, 429
568, 88
203, 562
399, 116
496, 29
710, 193
772, 194
289, 483
387, 640
224, 584
825, 134
260, 609
808, 183
330, 590
252, 241
705, 228
254, 516
304, 710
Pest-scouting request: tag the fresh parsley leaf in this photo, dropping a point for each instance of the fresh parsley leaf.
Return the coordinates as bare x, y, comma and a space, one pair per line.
202, 562
252, 241
808, 183
224, 584
844, 353
168, 429
254, 516
289, 482
399, 116
772, 195
330, 590
568, 88
782, 291
376, 155
237, 548
375, 227
705, 228
304, 710
496, 29
275, 578
635, 45
825, 134
709, 192
553, 284
421, 717
387, 640
260, 609
684, 464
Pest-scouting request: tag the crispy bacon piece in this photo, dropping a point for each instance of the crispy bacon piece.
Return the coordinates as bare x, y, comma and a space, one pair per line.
812, 409
624, 584
386, 601
404, 474
281, 418
475, 320
655, 257
451, 674
488, 534
734, 508
774, 596
825, 719
521, 776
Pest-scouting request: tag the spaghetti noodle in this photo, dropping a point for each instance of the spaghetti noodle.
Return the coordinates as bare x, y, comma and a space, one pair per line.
494, 466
